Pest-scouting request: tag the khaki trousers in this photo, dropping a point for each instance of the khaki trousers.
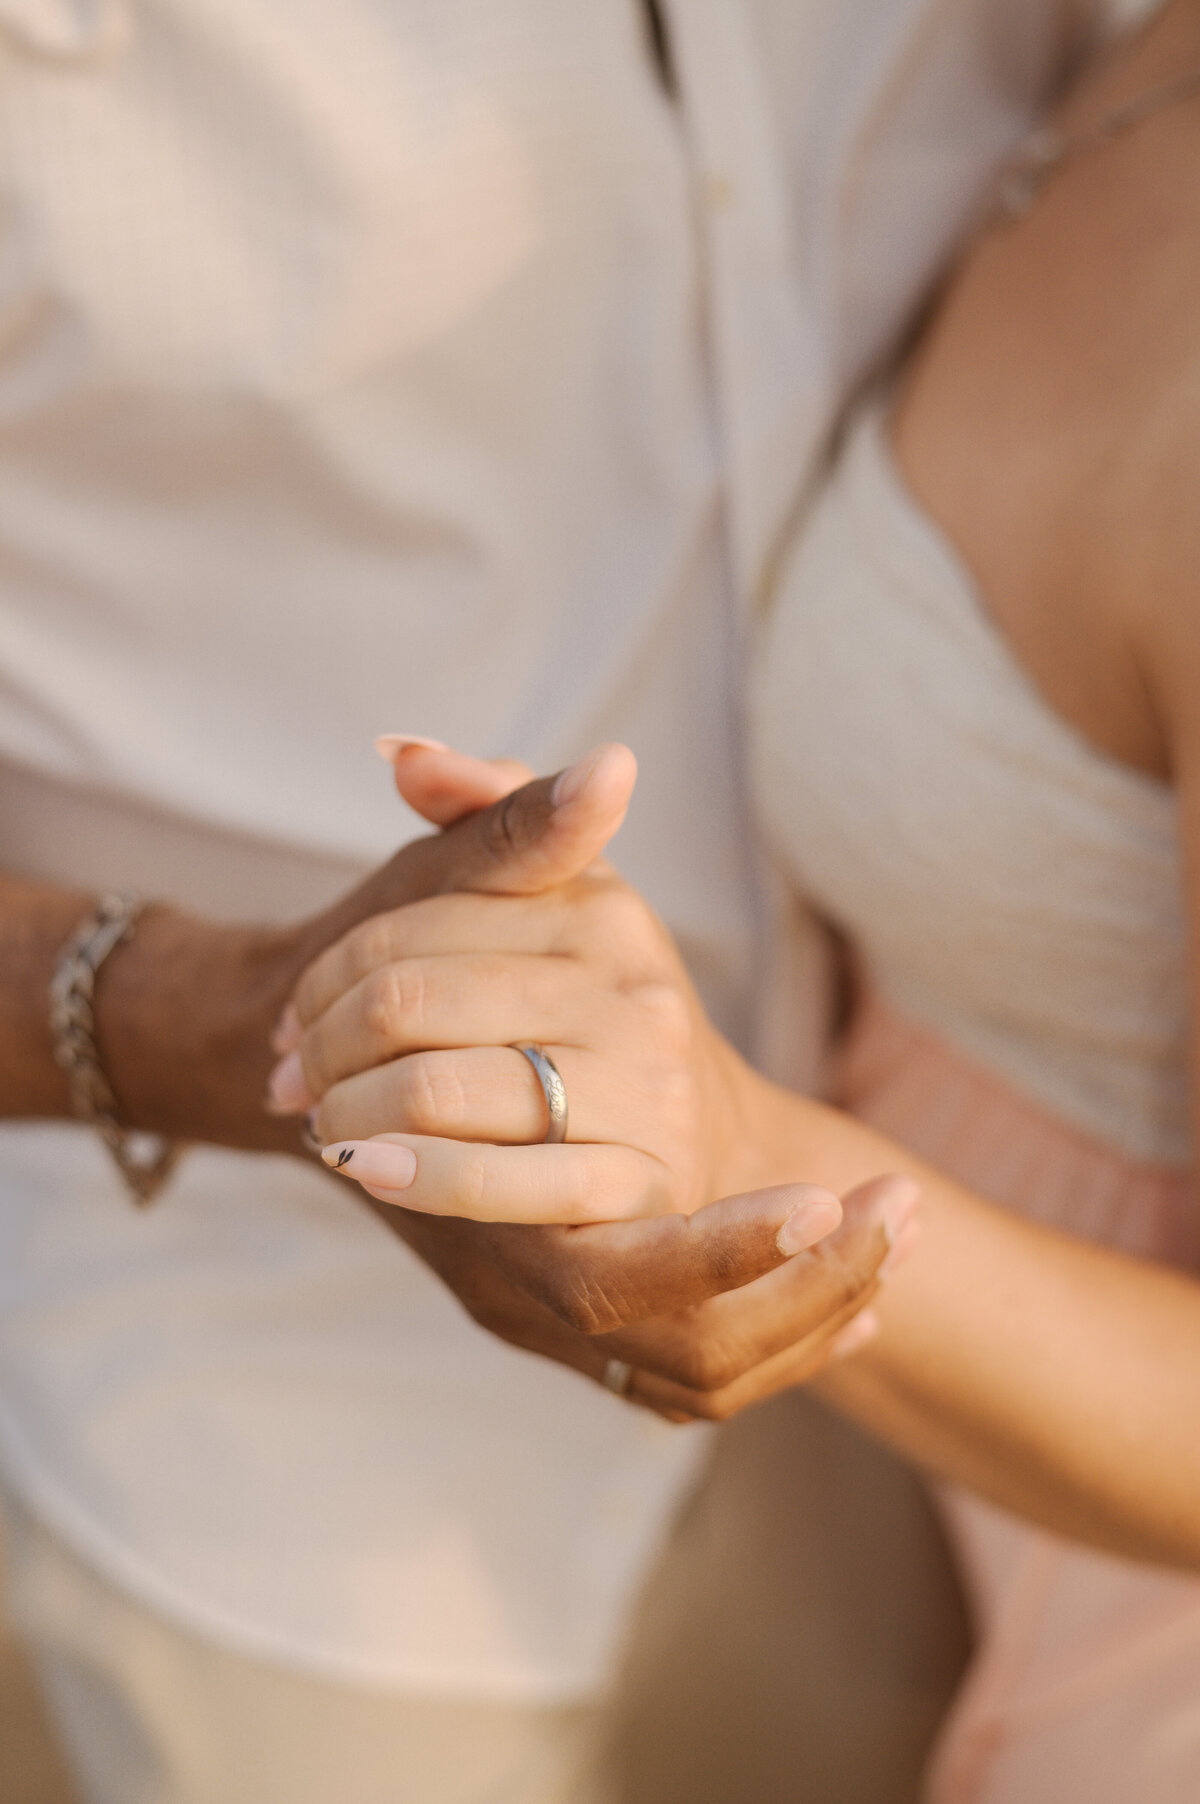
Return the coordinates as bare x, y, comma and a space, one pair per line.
148, 1714
798, 1644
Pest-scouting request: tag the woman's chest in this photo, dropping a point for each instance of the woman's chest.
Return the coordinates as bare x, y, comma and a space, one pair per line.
1052, 401
1005, 882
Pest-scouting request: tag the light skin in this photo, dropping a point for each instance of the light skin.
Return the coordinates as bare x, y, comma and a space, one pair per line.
1059, 1379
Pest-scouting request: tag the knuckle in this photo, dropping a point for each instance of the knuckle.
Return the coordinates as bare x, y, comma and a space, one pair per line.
587, 1295
505, 827
677, 1106
432, 1095
706, 1368
471, 1182
668, 1016
622, 913
392, 998
578, 1304
376, 942
578, 1194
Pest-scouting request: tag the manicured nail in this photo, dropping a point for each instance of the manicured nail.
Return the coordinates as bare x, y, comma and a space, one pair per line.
893, 1200
817, 1214
287, 1092
381, 1163
390, 745
288, 1032
900, 1248
573, 781
858, 1333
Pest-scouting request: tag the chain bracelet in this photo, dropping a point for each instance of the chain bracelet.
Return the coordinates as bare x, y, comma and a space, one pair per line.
145, 1161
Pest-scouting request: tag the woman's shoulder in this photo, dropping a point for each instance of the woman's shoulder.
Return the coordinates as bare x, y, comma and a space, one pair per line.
1050, 422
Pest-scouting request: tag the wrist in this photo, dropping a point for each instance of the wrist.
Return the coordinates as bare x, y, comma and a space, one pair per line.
771, 1135
184, 1013
745, 1155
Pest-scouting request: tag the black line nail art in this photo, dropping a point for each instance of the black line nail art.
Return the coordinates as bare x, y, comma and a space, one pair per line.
344, 1157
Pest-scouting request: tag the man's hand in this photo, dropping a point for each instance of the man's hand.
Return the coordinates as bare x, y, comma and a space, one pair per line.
713, 1312
186, 1011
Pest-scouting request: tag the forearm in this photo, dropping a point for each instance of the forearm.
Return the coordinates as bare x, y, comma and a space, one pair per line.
183, 1014
1056, 1378
34, 923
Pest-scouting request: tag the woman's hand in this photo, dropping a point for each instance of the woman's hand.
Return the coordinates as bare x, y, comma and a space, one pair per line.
405, 1036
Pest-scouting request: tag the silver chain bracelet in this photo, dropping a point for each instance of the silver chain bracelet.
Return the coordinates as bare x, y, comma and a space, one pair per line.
145, 1161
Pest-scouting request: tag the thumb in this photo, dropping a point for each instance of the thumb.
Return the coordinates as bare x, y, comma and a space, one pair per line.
544, 833
442, 785
608, 1275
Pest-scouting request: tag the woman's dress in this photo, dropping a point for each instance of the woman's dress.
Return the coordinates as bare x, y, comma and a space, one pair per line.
1014, 895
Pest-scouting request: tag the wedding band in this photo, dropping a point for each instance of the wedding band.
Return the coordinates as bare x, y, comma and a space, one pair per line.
618, 1378
553, 1089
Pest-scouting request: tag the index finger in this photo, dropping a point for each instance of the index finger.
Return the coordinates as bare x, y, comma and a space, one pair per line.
603, 1276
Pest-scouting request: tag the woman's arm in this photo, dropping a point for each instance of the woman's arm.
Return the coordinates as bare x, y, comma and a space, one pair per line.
1056, 1378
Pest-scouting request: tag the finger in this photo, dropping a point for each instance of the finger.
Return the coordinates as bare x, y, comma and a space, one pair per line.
785, 1371
710, 1347
601, 1278
532, 840
488, 1093
437, 926
452, 1249
542, 834
443, 785
562, 1184
421, 1004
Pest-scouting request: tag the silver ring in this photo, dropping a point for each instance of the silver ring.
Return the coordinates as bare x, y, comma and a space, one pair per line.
618, 1378
553, 1089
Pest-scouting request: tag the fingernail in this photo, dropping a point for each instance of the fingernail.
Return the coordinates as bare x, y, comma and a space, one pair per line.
898, 1197
379, 1162
863, 1329
811, 1220
287, 1092
900, 1248
573, 781
288, 1032
390, 745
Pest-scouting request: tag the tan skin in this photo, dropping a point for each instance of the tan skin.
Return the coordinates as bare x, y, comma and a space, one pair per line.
1050, 424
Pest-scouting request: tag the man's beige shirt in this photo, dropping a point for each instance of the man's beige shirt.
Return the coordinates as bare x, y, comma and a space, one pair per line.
426, 365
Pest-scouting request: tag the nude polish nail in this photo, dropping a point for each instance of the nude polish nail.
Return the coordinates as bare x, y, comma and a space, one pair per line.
900, 1248
287, 1033
858, 1333
812, 1219
390, 745
287, 1092
381, 1163
897, 1206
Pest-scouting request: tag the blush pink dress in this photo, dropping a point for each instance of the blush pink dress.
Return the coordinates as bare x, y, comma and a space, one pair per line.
1015, 897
